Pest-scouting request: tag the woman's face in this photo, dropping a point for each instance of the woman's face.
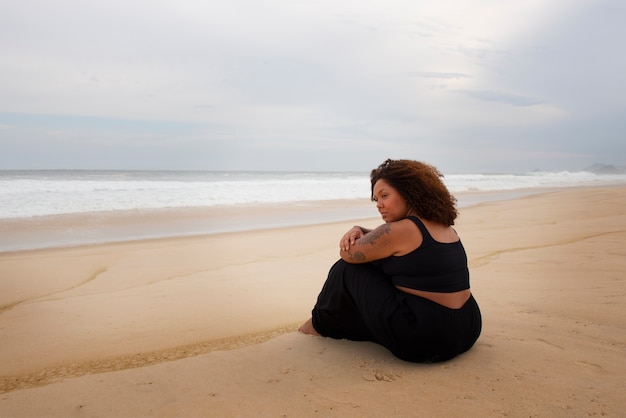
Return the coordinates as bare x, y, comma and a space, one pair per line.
391, 205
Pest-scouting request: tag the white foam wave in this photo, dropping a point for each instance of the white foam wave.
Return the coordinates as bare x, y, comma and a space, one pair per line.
33, 193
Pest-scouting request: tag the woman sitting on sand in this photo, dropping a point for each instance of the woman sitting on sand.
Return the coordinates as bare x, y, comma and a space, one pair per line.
404, 285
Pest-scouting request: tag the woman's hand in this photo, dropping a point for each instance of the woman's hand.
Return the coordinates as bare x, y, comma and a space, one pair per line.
350, 237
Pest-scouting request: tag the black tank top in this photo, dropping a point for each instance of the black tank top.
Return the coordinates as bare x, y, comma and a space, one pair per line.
433, 266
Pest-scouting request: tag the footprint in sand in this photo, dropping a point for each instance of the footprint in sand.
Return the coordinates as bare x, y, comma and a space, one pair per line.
377, 373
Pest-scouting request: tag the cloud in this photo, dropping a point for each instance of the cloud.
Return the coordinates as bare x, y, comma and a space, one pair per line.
511, 99
433, 74
228, 81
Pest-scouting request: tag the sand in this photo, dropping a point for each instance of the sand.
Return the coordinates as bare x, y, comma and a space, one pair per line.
206, 326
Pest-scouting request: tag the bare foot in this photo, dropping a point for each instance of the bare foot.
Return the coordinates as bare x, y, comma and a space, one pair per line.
307, 328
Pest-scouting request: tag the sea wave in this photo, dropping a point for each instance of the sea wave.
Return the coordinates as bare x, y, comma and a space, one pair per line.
40, 193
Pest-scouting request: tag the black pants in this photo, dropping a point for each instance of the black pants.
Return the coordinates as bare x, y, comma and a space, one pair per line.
358, 302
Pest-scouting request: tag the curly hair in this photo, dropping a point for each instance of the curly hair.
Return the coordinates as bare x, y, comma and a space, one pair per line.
422, 186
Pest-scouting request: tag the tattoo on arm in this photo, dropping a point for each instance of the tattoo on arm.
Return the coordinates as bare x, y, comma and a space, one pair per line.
358, 256
372, 236
369, 238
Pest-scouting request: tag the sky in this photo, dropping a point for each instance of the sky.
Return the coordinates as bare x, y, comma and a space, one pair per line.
324, 85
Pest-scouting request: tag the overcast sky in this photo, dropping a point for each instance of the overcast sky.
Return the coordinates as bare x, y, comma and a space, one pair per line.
470, 86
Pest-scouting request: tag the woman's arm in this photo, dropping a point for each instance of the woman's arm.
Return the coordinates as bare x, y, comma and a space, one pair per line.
382, 242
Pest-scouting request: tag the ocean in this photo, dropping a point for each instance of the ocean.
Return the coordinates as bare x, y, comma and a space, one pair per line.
42, 209
25, 194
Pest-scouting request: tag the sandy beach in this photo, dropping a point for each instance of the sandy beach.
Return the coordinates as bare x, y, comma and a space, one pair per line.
206, 325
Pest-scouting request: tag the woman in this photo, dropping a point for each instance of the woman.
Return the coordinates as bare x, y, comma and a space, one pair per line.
405, 284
